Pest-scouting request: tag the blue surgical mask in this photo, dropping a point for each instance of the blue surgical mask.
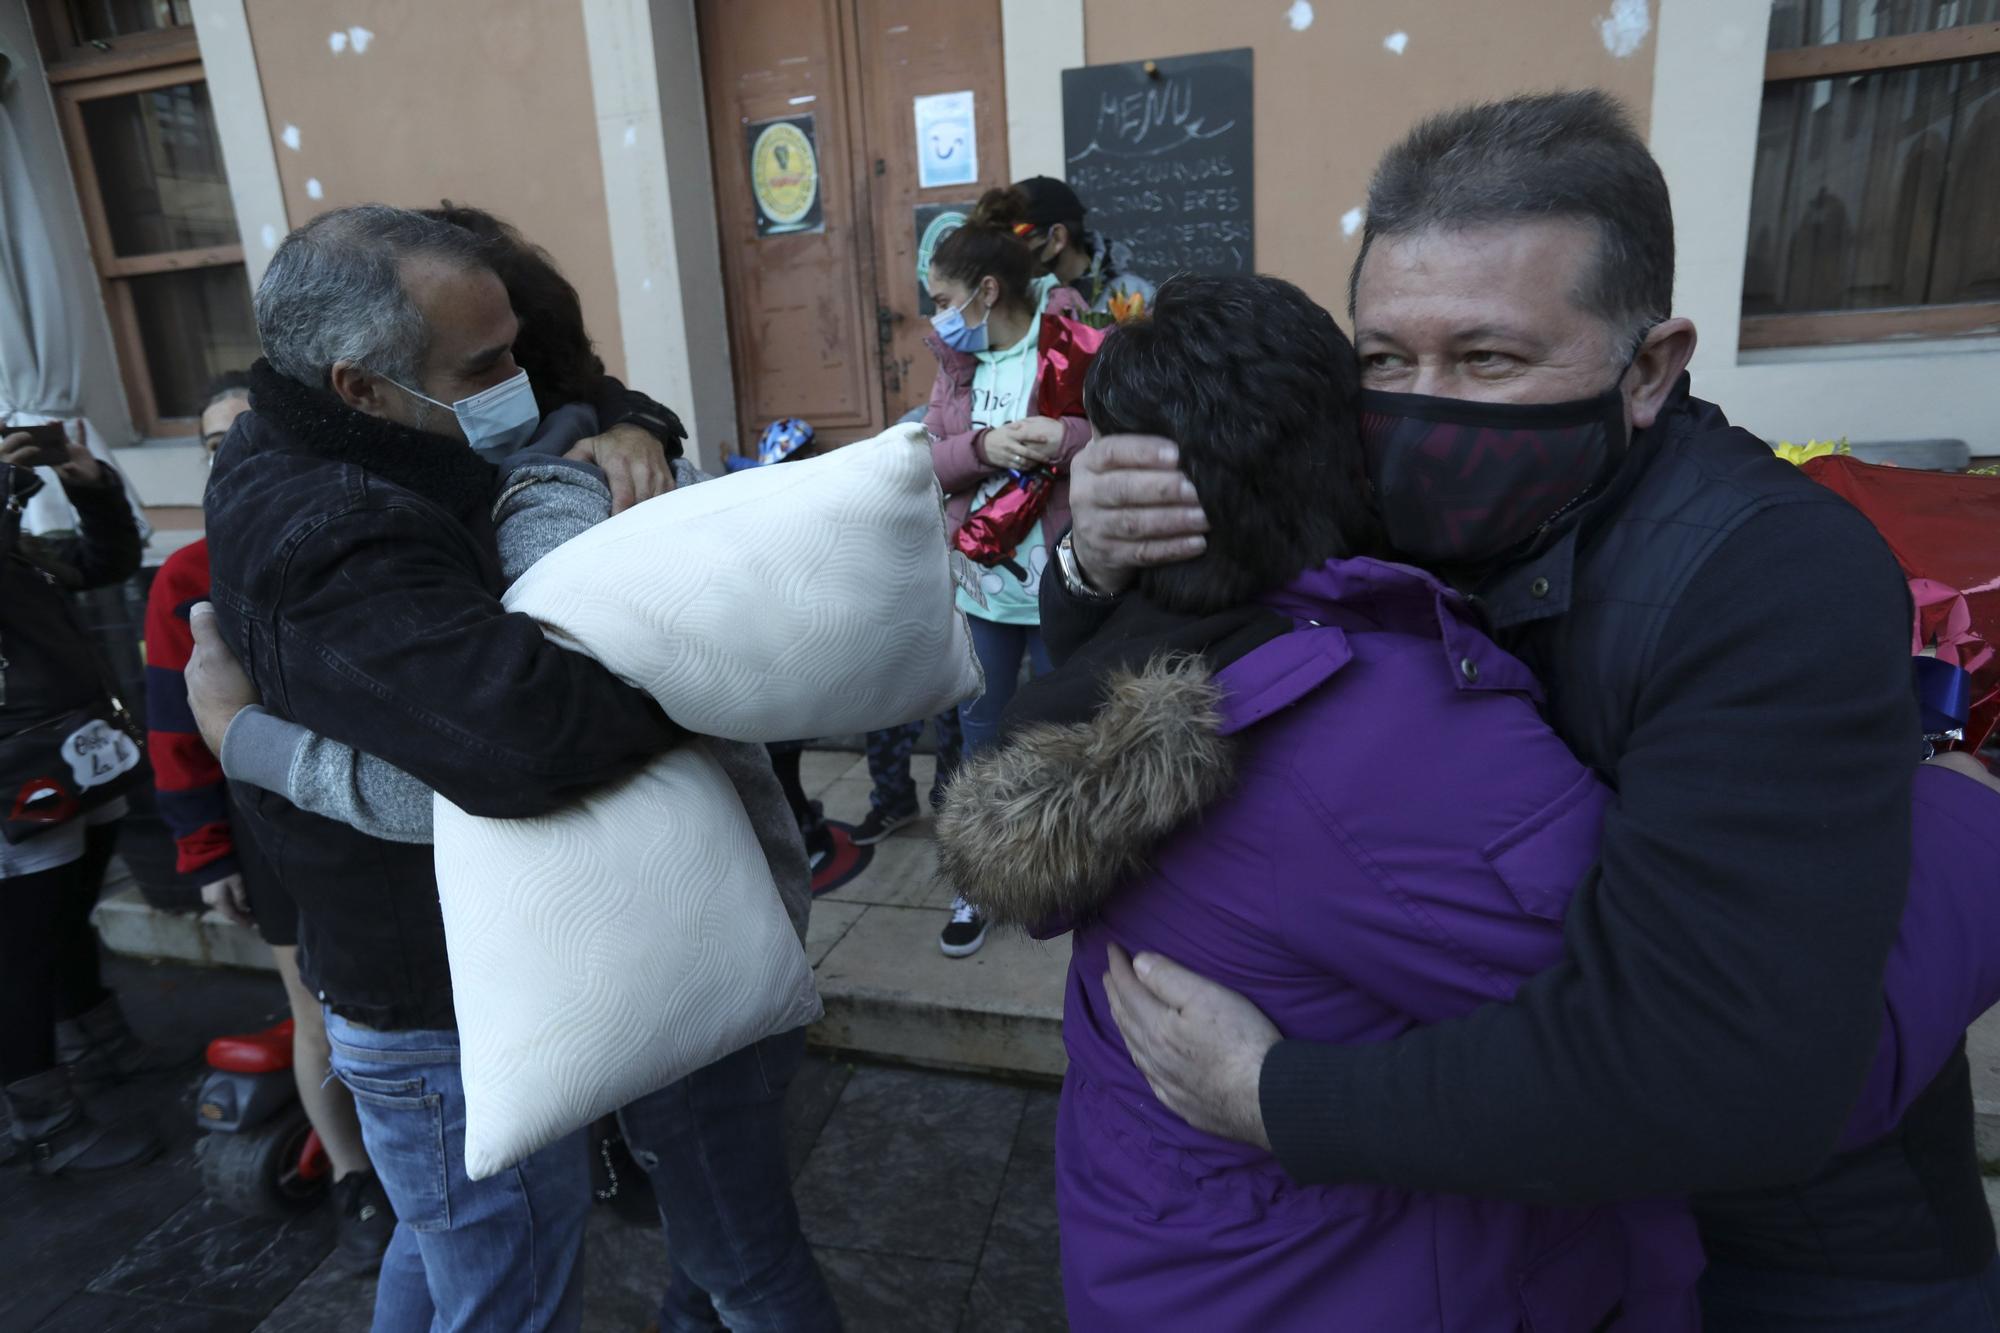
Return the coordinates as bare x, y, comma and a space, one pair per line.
955, 333
496, 421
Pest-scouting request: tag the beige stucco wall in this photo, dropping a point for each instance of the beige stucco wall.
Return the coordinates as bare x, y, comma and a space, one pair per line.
484, 102
1331, 93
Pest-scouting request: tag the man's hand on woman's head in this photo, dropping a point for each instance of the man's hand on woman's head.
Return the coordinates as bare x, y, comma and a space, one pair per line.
632, 461
218, 689
1131, 509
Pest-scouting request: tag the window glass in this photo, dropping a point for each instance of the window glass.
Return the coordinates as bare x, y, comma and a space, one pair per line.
159, 167
101, 20
194, 324
1796, 23
1877, 189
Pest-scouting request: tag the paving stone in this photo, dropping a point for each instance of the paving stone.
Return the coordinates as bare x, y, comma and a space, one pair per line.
910, 1164
205, 1255
903, 873
889, 991
814, 1094
1018, 1286
93, 1313
886, 1293
820, 769
829, 921
329, 1300
847, 799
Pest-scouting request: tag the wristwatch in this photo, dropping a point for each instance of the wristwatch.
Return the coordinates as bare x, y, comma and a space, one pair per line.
1072, 574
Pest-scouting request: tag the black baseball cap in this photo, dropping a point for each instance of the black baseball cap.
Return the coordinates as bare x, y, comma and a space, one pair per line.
1050, 201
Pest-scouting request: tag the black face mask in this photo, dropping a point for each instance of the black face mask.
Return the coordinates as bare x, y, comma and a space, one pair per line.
1463, 484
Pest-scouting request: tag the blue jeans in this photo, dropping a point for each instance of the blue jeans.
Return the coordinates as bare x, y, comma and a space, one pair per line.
502, 1252
1751, 1300
999, 649
714, 1146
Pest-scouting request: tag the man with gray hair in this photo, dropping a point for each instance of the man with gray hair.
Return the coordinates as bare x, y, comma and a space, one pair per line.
355, 575
1727, 643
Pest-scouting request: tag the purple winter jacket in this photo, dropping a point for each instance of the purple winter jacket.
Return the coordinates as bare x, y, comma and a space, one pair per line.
1363, 826
1368, 826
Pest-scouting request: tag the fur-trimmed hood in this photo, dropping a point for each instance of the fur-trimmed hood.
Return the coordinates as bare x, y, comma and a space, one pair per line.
1049, 824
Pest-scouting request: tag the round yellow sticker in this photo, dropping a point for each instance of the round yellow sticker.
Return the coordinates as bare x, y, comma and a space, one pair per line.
783, 173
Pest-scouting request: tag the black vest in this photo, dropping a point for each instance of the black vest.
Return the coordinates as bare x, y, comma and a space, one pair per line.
1910, 1207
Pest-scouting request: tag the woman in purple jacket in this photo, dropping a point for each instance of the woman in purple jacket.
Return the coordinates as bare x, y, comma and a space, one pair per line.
1305, 773
1329, 791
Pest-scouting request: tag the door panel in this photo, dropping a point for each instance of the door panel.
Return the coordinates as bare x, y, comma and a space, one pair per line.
909, 50
802, 313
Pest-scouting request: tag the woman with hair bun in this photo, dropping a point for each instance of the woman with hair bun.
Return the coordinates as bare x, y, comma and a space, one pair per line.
985, 431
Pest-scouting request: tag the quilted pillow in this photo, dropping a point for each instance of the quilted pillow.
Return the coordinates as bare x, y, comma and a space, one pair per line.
609, 949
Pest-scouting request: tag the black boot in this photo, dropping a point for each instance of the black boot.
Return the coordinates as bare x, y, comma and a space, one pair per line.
101, 1049
57, 1134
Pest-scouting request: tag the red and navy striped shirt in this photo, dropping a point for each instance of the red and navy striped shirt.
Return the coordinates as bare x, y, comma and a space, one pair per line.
193, 794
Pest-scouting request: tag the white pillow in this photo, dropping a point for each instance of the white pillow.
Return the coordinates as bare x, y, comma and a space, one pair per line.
605, 951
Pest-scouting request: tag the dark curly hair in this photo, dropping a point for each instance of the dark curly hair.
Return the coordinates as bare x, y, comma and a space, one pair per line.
1257, 386
553, 346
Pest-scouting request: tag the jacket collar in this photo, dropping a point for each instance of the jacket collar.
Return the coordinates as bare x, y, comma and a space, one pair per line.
1366, 594
316, 423
1540, 586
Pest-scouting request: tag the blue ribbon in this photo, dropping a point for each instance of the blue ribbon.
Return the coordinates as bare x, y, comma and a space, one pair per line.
1944, 695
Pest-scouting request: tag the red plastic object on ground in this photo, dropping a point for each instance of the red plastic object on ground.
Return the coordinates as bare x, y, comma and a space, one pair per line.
1941, 526
264, 1052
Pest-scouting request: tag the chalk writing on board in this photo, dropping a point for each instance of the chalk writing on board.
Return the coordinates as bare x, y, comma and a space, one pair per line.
1161, 154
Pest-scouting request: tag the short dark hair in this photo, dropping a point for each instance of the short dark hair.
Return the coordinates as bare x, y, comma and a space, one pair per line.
1257, 385
226, 385
1549, 155
991, 244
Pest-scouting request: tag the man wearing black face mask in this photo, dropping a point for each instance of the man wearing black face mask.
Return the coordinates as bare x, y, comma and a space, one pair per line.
1724, 642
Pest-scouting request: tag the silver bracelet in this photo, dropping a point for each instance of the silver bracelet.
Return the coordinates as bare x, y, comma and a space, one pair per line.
1072, 574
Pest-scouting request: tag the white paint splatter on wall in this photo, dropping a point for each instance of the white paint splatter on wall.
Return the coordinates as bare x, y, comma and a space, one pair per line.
337, 41
357, 37
631, 136
646, 286
313, 188
1626, 27
1351, 220
269, 236
1300, 15
290, 138
1396, 41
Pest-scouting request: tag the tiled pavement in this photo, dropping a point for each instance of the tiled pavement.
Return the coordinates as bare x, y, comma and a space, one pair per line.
929, 1198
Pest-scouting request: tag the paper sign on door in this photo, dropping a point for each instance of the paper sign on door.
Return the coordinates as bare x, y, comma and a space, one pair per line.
947, 148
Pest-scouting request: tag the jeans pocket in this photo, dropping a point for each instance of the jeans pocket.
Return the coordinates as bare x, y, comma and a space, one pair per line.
403, 1126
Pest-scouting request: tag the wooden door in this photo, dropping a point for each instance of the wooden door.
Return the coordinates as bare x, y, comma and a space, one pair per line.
796, 273
910, 49
825, 311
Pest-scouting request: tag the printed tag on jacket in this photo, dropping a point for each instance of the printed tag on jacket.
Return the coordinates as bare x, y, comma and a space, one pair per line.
99, 752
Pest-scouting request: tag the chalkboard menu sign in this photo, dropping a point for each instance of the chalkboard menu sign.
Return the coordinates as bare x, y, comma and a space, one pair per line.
1160, 153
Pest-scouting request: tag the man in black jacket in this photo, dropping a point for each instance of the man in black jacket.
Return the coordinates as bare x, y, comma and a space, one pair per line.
1721, 639
355, 576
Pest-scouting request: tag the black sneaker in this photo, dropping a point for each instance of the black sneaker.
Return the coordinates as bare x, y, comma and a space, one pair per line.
363, 1221
879, 826
819, 846
964, 933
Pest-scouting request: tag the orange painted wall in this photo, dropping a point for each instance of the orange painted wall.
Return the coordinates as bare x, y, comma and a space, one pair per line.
1331, 96
486, 104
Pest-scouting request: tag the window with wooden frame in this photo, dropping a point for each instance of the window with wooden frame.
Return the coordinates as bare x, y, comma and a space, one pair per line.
128, 82
1875, 212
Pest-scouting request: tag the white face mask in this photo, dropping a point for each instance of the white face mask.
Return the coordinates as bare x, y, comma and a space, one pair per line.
496, 421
